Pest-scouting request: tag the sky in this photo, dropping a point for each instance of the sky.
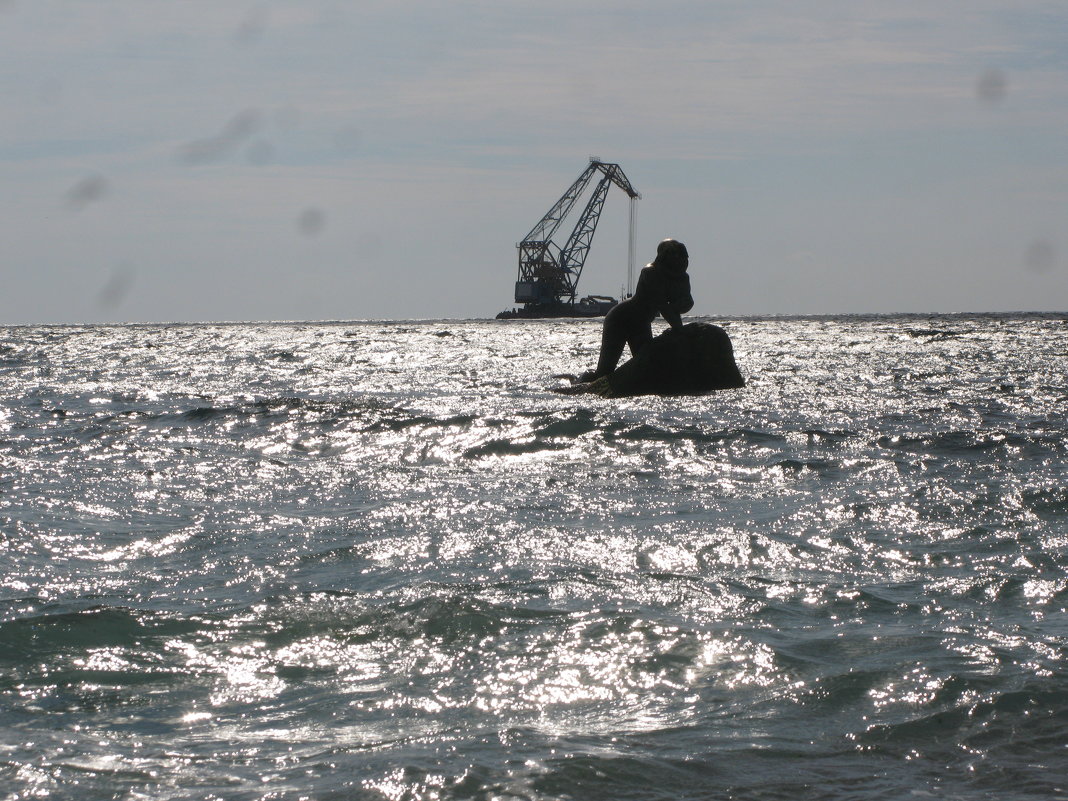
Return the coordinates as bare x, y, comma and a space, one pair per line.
211, 160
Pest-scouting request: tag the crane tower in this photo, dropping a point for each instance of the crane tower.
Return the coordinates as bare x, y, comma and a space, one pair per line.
548, 273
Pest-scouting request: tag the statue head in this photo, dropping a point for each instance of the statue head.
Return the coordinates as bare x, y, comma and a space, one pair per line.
672, 255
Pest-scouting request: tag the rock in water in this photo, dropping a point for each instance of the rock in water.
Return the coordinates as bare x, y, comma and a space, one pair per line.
698, 359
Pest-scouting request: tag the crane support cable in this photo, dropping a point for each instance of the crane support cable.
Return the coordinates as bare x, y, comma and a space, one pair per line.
632, 243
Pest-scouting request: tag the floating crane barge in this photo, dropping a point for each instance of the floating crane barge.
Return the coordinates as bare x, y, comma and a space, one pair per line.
549, 274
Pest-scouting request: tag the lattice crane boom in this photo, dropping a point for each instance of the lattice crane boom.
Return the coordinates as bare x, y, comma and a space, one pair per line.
546, 227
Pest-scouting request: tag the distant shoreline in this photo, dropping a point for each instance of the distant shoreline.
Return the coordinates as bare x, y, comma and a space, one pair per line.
721, 318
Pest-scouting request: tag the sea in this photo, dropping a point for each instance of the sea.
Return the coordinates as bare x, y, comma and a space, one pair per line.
383, 560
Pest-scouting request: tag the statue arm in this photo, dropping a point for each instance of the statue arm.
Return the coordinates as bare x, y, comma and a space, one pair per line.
668, 296
680, 303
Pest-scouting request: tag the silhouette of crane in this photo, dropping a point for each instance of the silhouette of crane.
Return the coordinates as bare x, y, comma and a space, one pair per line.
549, 274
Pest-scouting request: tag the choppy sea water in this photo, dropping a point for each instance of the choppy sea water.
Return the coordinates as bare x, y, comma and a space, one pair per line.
383, 561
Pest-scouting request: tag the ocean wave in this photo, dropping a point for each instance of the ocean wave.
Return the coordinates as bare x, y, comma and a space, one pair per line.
998, 724
975, 443
50, 632
1048, 503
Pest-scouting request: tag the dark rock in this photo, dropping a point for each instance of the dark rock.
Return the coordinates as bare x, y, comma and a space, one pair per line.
696, 360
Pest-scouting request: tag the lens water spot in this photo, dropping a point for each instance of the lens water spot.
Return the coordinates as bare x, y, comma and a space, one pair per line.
992, 86
311, 221
117, 287
87, 191
1041, 257
214, 148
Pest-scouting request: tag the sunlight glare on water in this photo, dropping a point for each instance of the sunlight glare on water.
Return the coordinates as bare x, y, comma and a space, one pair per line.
382, 560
